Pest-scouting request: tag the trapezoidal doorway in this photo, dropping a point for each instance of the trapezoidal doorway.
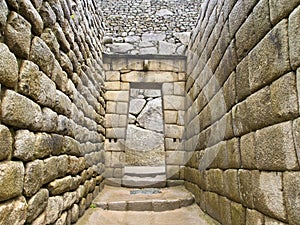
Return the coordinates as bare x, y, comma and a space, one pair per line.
144, 144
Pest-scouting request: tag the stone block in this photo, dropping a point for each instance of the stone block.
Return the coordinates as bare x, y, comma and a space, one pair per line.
212, 205
3, 15
168, 89
254, 29
231, 185
254, 217
13, 211
63, 104
174, 102
135, 64
215, 181
18, 35
268, 194
61, 38
41, 55
271, 221
113, 85
8, 67
6, 143
114, 146
37, 204
247, 146
175, 158
50, 120
118, 133
62, 185
117, 159
117, 96
294, 27
111, 107
242, 80
173, 172
280, 9
122, 108
272, 54
291, 191
149, 76
174, 131
11, 177
238, 214
246, 187
47, 14
33, 180
54, 209
275, 149
119, 64
170, 116
285, 88
229, 91
165, 48
225, 210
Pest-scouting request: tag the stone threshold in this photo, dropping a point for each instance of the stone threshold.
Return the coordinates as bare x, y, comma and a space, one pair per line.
121, 199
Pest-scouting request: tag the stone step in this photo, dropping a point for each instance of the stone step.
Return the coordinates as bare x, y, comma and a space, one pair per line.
146, 199
144, 171
147, 181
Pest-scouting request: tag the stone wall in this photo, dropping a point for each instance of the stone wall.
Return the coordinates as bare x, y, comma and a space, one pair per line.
242, 119
52, 110
148, 26
125, 73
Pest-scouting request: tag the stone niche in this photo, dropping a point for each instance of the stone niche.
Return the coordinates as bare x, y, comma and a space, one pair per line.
144, 145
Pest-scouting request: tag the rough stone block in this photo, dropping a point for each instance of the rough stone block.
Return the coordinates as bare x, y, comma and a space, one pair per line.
242, 80
225, 210
50, 120
47, 14
173, 172
272, 54
174, 102
268, 195
53, 209
231, 185
37, 204
247, 146
212, 205
174, 131
175, 158
36, 84
280, 9
8, 67
61, 38
294, 27
254, 217
41, 55
33, 180
118, 133
3, 15
11, 178
6, 143
14, 211
229, 91
275, 149
122, 108
18, 35
238, 214
215, 181
60, 186
291, 191
246, 187
284, 97
117, 159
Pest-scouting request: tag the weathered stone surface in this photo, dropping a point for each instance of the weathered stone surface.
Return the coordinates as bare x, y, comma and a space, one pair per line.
247, 146
246, 187
36, 84
150, 117
268, 195
30, 13
3, 15
8, 67
136, 105
294, 27
153, 37
53, 209
18, 35
174, 102
49, 120
238, 214
37, 204
49, 38
11, 179
6, 142
60, 186
291, 191
254, 217
41, 55
174, 131
120, 47
231, 185
47, 14
24, 143
184, 37
275, 148
272, 55
280, 9
69, 198
13, 212
165, 48
285, 88
33, 179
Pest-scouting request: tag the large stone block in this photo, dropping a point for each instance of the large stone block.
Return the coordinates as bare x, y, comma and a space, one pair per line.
225, 210
62, 40
242, 80
37, 204
176, 158
14, 211
215, 181
18, 35
231, 185
291, 191
122, 96
268, 194
238, 214
174, 102
53, 209
8, 67
150, 76
6, 142
284, 97
247, 146
60, 186
174, 131
272, 56
294, 27
41, 55
254, 217
212, 205
280, 9
33, 179
11, 179
246, 187
3, 15
275, 148
36, 84
47, 14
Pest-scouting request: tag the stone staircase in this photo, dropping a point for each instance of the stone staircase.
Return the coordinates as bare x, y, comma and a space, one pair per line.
144, 176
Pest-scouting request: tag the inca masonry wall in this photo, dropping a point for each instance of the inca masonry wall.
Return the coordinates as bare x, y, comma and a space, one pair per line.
52, 110
242, 118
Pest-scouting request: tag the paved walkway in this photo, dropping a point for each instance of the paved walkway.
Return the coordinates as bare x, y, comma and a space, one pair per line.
128, 206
